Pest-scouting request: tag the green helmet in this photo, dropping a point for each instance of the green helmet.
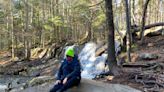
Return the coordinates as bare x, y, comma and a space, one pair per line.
70, 52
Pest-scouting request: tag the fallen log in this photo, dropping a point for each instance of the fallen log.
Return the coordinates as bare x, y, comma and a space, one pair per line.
137, 28
101, 50
154, 25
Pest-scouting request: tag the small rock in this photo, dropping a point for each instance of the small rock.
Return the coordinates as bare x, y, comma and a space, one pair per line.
23, 73
150, 44
148, 56
163, 32
44, 61
34, 72
19, 63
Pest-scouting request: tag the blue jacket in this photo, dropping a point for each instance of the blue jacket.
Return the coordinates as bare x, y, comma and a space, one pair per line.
69, 69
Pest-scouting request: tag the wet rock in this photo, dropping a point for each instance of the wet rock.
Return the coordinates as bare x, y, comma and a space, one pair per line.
148, 56
9, 83
40, 80
23, 73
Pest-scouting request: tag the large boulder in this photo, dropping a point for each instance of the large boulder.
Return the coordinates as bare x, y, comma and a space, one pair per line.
85, 86
93, 86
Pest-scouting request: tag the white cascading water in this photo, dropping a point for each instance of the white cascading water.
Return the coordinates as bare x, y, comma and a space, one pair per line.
91, 65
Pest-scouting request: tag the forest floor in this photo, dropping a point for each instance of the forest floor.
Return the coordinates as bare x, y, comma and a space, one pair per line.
145, 75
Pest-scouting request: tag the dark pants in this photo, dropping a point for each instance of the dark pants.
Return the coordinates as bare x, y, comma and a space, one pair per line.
74, 81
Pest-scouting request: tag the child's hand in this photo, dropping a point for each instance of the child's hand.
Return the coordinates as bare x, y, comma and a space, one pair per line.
58, 81
65, 80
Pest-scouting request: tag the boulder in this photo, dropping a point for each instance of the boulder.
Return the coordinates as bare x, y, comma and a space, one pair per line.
85, 86
94, 86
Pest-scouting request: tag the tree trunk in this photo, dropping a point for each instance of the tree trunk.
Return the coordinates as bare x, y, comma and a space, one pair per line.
112, 63
27, 49
128, 23
133, 11
43, 22
143, 21
12, 31
1, 42
89, 31
8, 34
57, 27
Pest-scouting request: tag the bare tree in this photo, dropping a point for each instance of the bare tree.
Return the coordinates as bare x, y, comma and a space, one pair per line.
128, 23
27, 49
112, 63
143, 20
12, 30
